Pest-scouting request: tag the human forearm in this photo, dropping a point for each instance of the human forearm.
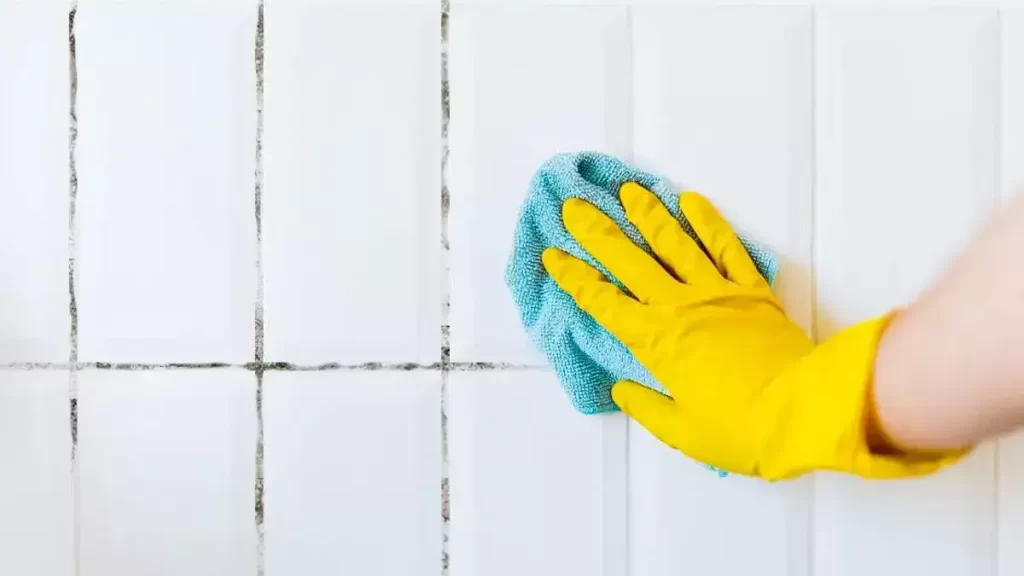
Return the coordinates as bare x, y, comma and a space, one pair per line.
950, 368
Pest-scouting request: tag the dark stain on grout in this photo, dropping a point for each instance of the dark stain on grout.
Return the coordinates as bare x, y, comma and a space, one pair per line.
138, 366
259, 366
262, 367
72, 280
489, 366
72, 182
258, 186
446, 357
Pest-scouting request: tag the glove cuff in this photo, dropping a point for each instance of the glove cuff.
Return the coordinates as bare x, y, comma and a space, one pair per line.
815, 414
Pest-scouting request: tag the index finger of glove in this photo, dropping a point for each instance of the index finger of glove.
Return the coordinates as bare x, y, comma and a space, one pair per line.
593, 293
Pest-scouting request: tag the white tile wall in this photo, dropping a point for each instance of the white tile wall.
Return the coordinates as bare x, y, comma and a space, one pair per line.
906, 118
864, 145
563, 87
352, 211
536, 488
167, 473
166, 155
743, 138
37, 523
353, 473
34, 183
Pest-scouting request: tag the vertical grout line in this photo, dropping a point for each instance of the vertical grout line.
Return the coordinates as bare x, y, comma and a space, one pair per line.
445, 288
258, 345
812, 489
72, 301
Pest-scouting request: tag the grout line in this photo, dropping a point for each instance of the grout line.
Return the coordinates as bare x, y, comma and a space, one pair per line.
812, 488
258, 365
72, 300
446, 363
262, 367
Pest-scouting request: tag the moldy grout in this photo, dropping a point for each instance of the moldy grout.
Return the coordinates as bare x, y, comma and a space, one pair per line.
446, 364
72, 280
262, 367
258, 365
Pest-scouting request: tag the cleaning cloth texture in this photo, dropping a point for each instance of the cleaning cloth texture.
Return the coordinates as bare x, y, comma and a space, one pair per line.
586, 358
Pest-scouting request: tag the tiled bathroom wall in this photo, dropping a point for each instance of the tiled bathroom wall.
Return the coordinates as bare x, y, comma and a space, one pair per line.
252, 310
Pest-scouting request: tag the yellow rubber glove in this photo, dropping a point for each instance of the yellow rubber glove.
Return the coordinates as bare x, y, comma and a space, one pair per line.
750, 393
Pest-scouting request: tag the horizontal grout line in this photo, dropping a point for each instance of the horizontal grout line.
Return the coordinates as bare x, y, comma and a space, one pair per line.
271, 366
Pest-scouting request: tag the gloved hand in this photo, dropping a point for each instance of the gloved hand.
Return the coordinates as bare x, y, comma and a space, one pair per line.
750, 393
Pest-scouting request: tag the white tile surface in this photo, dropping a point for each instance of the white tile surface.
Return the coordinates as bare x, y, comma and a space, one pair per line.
744, 140
37, 524
353, 473
563, 87
166, 156
1010, 502
352, 211
1012, 120
906, 151
685, 519
536, 488
167, 473
34, 183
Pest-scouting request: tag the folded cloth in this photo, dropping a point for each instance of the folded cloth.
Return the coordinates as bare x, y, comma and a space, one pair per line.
586, 358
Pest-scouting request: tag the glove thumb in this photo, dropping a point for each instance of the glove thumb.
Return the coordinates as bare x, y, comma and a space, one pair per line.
654, 411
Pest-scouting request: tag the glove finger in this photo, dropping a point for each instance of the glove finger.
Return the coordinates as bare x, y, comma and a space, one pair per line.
653, 410
608, 244
718, 237
595, 294
673, 246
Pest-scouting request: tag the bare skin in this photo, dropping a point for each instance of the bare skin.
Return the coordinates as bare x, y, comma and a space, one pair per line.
950, 368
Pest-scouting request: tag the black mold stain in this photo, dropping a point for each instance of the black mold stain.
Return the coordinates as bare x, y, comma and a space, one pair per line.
143, 367
446, 357
72, 181
74, 425
258, 186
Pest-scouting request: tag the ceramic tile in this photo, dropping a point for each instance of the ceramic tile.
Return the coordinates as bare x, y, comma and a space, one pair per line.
744, 140
167, 473
166, 156
535, 486
906, 173
353, 472
34, 181
37, 525
352, 213
562, 90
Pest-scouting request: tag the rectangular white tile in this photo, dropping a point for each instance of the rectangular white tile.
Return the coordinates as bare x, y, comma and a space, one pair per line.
37, 524
685, 519
166, 157
34, 181
1010, 502
167, 473
353, 473
352, 165
743, 139
906, 133
526, 83
536, 488
1010, 496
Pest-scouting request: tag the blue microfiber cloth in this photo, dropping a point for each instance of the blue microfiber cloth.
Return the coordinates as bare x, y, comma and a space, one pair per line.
586, 357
